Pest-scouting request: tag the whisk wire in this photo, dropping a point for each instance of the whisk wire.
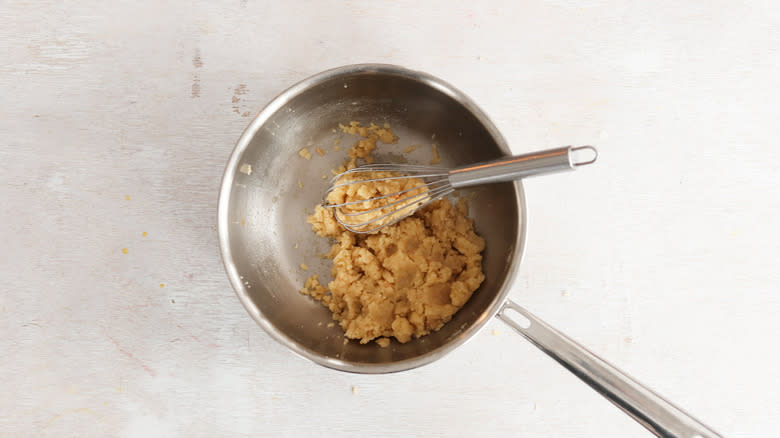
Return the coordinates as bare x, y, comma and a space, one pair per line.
395, 168
360, 227
410, 200
387, 178
430, 186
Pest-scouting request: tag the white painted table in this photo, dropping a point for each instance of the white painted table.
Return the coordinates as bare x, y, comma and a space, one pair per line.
117, 118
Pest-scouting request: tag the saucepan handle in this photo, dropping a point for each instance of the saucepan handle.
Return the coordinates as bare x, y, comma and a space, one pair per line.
652, 411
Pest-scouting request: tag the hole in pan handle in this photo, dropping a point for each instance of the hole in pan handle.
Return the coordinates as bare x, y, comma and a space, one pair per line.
652, 411
582, 155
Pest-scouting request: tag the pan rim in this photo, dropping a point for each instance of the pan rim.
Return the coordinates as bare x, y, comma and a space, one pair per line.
223, 223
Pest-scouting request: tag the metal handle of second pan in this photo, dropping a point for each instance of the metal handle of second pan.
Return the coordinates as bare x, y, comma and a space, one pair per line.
652, 411
522, 166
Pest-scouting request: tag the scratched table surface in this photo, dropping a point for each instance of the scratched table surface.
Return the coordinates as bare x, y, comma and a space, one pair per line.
117, 318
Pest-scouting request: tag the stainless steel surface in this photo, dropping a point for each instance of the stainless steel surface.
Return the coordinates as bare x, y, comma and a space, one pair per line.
652, 411
516, 167
262, 212
440, 182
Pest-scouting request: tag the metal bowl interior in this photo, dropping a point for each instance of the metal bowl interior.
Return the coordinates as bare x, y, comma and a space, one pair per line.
264, 236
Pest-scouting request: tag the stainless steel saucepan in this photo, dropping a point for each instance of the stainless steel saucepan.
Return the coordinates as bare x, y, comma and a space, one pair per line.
267, 190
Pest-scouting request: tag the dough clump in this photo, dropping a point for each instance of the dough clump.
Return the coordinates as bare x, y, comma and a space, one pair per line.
405, 280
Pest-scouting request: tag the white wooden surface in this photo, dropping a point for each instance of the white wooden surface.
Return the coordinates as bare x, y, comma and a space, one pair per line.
663, 258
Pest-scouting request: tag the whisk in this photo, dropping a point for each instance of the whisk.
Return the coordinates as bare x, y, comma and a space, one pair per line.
426, 184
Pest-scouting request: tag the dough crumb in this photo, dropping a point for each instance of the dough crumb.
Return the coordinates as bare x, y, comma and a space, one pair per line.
463, 206
411, 148
246, 169
496, 332
331, 324
319, 151
336, 143
314, 289
300, 184
305, 153
436, 157
383, 342
354, 390
304, 267
125, 251
295, 246
363, 148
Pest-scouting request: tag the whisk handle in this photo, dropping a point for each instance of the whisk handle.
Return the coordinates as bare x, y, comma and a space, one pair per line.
522, 166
